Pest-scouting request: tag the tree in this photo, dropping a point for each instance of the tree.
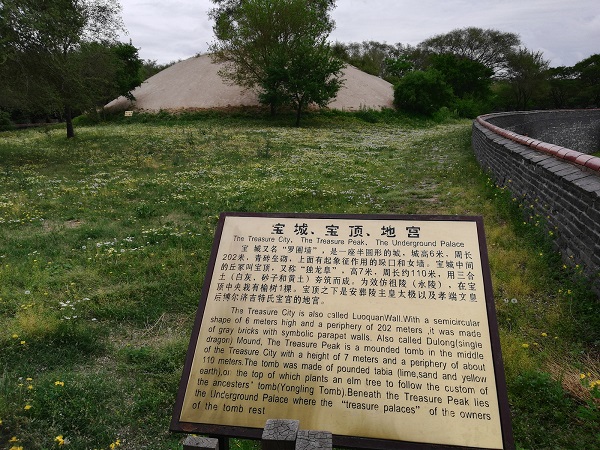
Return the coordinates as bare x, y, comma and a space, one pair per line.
488, 47
58, 55
588, 73
527, 76
312, 76
271, 46
467, 77
564, 87
369, 56
422, 92
128, 70
396, 68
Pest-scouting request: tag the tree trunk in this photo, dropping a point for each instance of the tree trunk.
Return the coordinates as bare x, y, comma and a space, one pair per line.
69, 120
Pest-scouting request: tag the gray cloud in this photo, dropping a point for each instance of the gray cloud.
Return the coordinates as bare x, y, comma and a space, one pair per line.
565, 31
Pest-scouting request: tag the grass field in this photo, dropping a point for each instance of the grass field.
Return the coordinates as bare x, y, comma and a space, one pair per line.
104, 241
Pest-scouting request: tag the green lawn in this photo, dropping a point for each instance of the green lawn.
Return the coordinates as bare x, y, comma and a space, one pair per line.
104, 241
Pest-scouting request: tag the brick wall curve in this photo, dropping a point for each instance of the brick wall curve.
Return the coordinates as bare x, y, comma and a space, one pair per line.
560, 184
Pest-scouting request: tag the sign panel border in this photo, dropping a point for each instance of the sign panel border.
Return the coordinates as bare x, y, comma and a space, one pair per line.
342, 440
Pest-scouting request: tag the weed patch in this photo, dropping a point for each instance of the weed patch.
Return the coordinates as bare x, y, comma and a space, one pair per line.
104, 241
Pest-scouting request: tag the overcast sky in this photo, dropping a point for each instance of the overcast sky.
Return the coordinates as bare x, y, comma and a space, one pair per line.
566, 31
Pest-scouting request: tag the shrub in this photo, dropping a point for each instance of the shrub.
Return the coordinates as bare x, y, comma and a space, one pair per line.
5, 123
470, 108
422, 92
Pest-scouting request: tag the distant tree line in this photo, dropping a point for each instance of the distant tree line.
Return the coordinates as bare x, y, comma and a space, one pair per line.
473, 71
59, 58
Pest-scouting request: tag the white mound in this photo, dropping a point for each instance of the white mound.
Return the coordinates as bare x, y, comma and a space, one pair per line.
195, 84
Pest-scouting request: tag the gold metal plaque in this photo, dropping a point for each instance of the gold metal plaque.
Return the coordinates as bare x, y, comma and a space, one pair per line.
375, 327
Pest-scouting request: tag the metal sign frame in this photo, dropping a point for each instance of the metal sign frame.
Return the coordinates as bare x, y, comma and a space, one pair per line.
344, 440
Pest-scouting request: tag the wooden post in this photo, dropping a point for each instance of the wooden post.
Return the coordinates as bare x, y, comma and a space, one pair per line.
223, 442
313, 440
280, 434
200, 443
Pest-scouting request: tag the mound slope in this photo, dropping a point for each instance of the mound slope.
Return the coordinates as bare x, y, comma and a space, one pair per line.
196, 84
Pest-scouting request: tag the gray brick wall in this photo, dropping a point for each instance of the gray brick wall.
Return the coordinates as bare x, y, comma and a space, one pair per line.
575, 129
564, 194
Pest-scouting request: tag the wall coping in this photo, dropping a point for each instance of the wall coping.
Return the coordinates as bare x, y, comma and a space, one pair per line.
583, 160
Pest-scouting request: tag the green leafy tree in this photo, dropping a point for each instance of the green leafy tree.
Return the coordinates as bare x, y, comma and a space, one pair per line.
58, 54
564, 87
371, 57
128, 70
488, 47
467, 77
312, 76
588, 73
397, 67
272, 46
527, 77
470, 81
422, 92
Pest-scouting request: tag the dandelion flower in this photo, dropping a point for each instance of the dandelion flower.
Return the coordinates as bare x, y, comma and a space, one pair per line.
15, 336
544, 334
59, 440
59, 383
525, 345
582, 376
27, 407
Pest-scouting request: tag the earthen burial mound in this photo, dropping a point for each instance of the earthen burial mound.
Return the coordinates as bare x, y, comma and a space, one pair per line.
195, 84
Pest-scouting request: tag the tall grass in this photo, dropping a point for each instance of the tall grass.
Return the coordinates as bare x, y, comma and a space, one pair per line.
104, 241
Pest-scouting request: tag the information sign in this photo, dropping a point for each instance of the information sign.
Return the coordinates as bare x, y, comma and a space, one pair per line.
378, 329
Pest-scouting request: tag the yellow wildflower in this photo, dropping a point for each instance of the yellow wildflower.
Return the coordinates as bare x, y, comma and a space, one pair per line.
544, 334
60, 440
525, 345
27, 407
581, 376
59, 383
